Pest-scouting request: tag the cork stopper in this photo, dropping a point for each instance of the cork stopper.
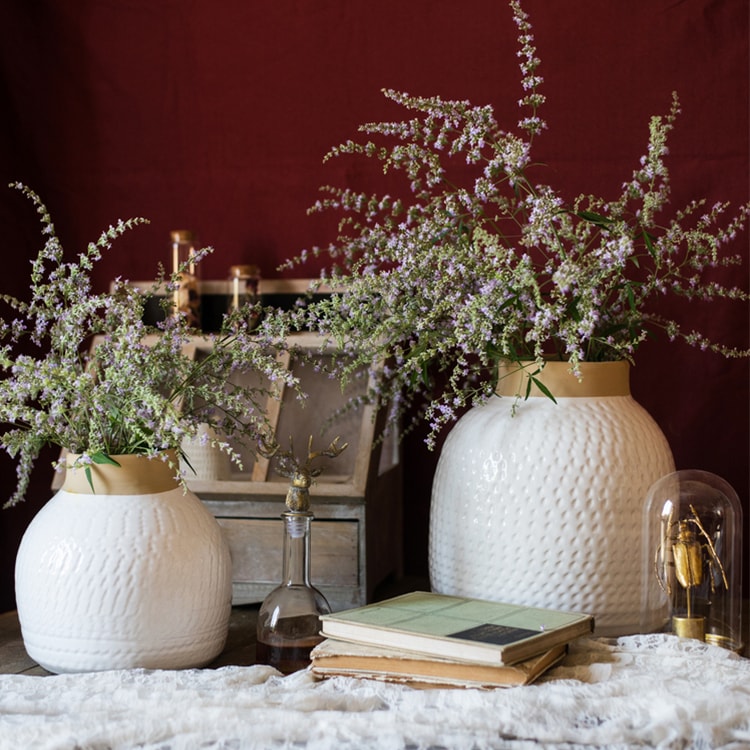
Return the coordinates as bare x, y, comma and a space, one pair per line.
244, 271
182, 235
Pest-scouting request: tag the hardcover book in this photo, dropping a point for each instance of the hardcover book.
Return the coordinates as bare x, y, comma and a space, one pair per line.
341, 658
459, 628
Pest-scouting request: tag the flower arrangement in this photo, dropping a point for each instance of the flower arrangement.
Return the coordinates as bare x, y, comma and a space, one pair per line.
135, 392
482, 264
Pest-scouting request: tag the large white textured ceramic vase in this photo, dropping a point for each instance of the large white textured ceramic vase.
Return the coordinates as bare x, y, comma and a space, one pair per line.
544, 507
136, 575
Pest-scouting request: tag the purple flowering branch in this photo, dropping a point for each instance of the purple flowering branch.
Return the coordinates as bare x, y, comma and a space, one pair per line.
139, 390
479, 264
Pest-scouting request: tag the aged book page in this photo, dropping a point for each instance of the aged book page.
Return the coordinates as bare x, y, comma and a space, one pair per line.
343, 658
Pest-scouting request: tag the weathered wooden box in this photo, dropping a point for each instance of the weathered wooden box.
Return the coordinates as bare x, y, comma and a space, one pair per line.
357, 531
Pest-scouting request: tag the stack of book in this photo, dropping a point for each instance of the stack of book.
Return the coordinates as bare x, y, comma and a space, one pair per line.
433, 640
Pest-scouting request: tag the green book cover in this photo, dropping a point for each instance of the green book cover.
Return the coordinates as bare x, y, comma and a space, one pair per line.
457, 627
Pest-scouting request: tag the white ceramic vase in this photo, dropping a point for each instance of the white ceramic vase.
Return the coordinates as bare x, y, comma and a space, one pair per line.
544, 507
136, 575
204, 460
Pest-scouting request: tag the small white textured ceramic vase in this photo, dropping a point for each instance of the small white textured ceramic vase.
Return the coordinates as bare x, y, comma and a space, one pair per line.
544, 507
203, 460
136, 575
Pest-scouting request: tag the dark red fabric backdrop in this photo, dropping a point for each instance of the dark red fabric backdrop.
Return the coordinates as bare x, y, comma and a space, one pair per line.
216, 116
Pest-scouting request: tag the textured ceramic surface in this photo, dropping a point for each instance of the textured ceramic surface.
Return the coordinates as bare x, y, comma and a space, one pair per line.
120, 581
205, 461
545, 507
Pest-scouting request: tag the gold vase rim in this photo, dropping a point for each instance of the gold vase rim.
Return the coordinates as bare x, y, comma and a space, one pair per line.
135, 474
597, 379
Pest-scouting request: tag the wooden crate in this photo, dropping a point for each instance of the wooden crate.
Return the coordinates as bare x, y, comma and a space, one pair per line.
357, 531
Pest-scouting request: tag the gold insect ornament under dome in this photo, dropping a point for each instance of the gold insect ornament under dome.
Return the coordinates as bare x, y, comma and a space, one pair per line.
692, 566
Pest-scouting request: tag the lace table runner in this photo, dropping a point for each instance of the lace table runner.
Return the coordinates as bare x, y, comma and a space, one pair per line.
639, 691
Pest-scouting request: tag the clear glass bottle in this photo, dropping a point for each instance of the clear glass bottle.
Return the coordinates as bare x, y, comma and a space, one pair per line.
244, 285
187, 296
288, 626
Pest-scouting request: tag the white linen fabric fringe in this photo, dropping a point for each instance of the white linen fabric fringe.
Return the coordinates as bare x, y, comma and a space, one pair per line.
633, 692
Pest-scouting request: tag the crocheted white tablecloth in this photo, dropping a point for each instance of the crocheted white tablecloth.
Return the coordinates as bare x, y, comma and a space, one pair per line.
652, 691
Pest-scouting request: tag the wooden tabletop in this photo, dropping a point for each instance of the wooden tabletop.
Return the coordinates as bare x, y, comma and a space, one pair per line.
239, 650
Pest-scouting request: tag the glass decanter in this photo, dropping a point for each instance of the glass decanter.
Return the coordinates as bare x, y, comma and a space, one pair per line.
288, 626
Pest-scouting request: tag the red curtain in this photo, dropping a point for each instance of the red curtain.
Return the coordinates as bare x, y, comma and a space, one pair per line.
216, 116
